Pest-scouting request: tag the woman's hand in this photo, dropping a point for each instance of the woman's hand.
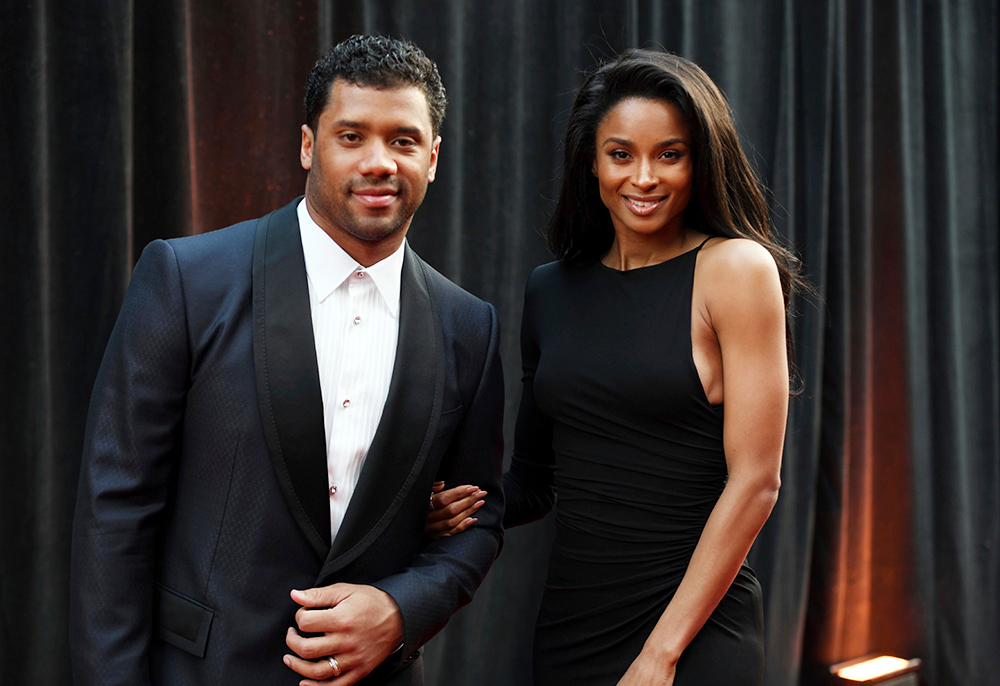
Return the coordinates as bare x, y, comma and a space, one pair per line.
646, 670
452, 510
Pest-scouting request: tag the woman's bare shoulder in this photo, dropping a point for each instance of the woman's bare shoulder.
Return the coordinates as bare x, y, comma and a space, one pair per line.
736, 255
737, 270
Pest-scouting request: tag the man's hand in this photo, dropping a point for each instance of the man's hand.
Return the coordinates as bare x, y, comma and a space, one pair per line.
360, 627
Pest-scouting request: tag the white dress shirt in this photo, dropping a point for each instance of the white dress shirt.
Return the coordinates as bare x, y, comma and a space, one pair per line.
355, 317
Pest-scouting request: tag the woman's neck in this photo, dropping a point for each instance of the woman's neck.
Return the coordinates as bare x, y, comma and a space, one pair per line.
628, 252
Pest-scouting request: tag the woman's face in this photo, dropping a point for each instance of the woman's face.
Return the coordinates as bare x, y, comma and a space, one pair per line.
644, 166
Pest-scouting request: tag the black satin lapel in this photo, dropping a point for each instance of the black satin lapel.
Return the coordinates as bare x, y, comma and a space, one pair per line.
408, 423
291, 404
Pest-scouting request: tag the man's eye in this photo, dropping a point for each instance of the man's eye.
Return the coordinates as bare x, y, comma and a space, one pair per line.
351, 137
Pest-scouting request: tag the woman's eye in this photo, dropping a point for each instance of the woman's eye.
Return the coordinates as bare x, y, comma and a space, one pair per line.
619, 155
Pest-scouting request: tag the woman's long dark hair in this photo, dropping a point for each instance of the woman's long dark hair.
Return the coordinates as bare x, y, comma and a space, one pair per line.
727, 198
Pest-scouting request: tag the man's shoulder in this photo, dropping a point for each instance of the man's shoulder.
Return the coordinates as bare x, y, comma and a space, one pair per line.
209, 265
232, 244
448, 291
231, 240
464, 317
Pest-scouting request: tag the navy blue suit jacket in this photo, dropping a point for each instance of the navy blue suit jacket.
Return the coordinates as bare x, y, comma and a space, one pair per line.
203, 491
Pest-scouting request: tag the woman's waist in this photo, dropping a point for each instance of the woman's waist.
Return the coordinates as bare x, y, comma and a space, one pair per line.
593, 550
632, 478
622, 516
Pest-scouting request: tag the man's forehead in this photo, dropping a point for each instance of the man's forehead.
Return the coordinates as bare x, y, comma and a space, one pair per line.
404, 99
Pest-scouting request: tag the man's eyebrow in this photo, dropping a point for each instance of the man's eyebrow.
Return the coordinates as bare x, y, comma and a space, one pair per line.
346, 124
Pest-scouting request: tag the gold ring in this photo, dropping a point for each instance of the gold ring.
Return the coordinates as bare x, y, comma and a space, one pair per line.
334, 665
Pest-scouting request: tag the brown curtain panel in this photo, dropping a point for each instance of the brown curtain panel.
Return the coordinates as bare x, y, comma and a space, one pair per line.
874, 124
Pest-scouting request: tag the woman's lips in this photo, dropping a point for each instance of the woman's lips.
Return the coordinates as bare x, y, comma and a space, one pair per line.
642, 206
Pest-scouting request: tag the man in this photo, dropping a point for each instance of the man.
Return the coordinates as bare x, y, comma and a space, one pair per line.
275, 404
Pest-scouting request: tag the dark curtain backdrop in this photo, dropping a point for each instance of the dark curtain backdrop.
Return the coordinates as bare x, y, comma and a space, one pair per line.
874, 123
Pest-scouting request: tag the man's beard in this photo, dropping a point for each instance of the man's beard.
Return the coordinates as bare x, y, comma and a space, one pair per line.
372, 228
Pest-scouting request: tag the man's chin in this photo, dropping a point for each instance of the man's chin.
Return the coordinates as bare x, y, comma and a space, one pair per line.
375, 232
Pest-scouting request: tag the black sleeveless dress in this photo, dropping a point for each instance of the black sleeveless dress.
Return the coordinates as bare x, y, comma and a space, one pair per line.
614, 418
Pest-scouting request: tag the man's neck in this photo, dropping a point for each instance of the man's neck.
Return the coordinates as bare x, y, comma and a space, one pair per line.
365, 252
368, 253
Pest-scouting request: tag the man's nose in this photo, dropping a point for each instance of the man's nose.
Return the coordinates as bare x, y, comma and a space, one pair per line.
377, 160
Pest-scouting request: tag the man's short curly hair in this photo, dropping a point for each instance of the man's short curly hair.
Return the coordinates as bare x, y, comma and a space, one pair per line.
379, 62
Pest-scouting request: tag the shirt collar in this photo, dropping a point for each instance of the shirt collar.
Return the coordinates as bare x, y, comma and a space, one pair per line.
328, 265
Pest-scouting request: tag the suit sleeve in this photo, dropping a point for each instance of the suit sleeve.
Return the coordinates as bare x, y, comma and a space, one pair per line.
528, 485
447, 571
132, 435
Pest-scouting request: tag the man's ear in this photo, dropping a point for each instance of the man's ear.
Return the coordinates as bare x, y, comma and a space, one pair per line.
306, 151
432, 168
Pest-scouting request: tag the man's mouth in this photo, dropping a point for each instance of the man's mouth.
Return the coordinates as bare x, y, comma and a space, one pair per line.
375, 197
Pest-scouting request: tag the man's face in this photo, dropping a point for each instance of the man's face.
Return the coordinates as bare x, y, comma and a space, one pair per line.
369, 161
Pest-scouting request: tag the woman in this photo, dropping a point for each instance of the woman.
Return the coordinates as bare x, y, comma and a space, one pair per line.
668, 302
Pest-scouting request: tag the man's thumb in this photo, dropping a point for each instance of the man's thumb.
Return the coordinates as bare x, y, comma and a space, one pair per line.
326, 596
